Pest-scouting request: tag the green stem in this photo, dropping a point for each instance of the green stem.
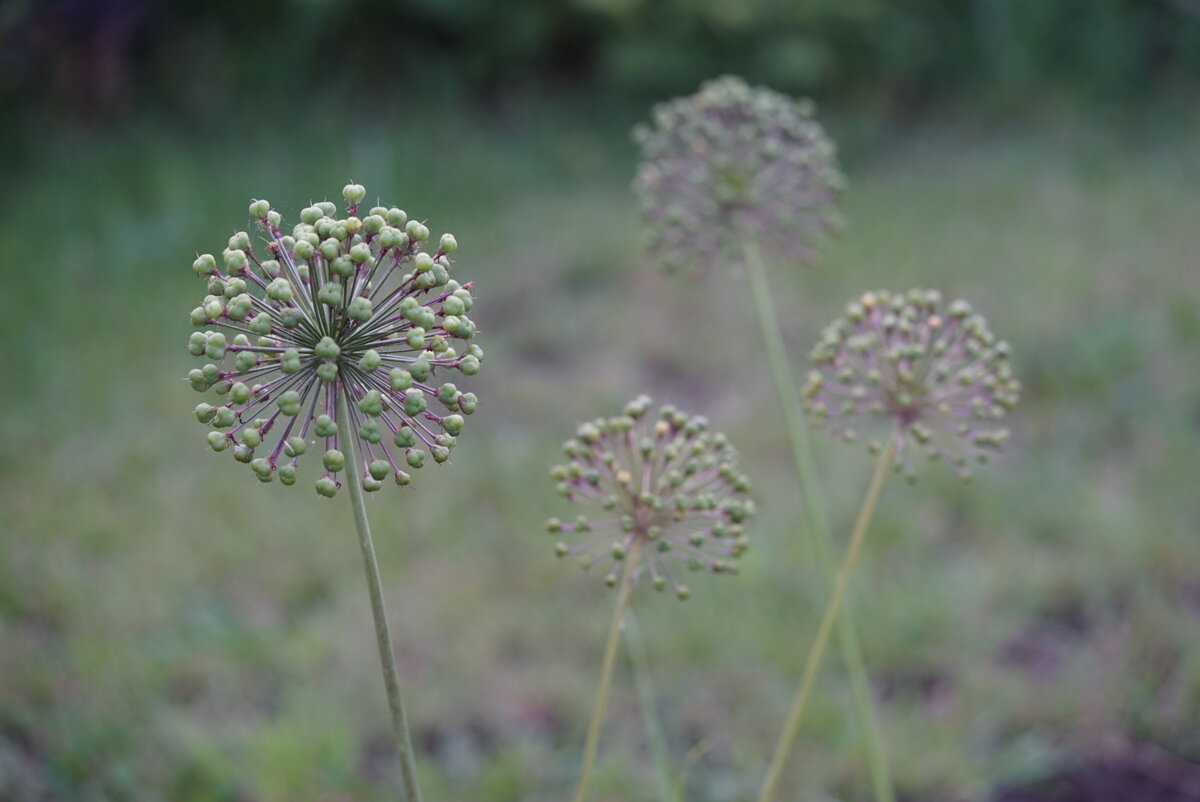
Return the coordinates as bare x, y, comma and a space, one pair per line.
387, 658
645, 691
606, 670
817, 650
820, 543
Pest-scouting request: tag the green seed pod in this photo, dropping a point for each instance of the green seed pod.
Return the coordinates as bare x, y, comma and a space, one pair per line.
310, 215
324, 426
259, 209
469, 365
448, 244
371, 484
422, 262
327, 371
251, 437
415, 402
453, 424
453, 306
217, 441
303, 250
396, 217
205, 264
243, 453
415, 458
468, 403
379, 469
279, 290
440, 454
224, 418
287, 475
205, 412
342, 266
416, 337
326, 487
354, 193
392, 238
239, 393
289, 403
369, 361
333, 460
261, 324
235, 261
371, 432
330, 294
405, 437
416, 231
360, 309
295, 446
197, 343
361, 253
199, 316
291, 317
373, 223
402, 479
327, 348
420, 369
447, 393
371, 403
245, 360
290, 363
401, 379
197, 380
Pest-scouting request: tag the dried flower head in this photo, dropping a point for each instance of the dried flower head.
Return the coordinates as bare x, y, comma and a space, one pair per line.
938, 375
666, 481
364, 307
732, 160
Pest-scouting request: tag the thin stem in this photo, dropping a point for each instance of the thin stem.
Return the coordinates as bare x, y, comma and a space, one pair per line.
817, 650
606, 669
645, 691
820, 542
387, 657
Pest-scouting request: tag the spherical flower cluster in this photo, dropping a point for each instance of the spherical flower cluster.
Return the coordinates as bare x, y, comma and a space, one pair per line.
666, 483
938, 375
734, 160
364, 307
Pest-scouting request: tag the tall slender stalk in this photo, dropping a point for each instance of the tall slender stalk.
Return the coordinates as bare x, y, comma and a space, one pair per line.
606, 669
819, 539
387, 658
645, 691
817, 650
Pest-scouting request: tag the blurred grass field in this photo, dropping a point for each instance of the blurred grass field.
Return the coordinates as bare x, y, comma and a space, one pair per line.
172, 630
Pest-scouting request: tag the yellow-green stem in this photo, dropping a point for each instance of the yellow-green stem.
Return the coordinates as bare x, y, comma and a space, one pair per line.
817, 650
606, 669
383, 637
820, 543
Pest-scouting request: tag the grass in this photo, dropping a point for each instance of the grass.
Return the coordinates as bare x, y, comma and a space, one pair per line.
170, 629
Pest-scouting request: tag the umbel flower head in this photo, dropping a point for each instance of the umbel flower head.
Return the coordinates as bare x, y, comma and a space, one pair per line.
730, 161
663, 481
364, 307
937, 374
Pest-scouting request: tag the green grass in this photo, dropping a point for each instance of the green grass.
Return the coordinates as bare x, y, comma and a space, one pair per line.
170, 629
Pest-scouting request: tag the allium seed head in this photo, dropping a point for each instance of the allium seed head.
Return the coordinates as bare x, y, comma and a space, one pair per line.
335, 305
935, 372
663, 480
733, 160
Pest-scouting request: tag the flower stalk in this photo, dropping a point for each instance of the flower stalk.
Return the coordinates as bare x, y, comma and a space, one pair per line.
817, 651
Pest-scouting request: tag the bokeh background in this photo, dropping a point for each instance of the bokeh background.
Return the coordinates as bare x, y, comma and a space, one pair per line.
172, 630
